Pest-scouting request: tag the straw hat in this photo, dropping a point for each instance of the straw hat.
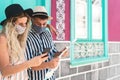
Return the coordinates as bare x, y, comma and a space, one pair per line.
40, 10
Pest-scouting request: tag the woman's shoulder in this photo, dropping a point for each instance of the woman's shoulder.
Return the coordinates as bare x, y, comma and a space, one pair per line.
2, 38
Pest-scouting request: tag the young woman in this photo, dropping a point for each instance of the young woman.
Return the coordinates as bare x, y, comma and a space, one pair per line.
13, 65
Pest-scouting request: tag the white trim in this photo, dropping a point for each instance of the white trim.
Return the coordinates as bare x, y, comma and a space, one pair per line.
70, 41
61, 41
85, 77
113, 41
114, 77
113, 54
64, 59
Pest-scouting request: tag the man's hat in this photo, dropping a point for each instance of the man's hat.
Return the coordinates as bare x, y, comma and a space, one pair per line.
14, 10
39, 11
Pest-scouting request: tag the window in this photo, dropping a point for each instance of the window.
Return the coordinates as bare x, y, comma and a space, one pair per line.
88, 31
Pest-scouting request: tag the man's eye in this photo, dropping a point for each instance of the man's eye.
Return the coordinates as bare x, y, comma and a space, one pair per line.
20, 24
44, 24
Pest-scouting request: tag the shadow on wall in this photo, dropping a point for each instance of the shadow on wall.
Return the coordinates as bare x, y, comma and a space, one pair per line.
0, 29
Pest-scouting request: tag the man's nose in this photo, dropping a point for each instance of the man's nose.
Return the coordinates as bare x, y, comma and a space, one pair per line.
42, 25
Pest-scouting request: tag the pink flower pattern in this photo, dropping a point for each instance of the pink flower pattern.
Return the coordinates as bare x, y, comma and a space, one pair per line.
60, 19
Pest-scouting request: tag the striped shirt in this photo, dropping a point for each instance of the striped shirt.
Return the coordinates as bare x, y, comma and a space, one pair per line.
36, 42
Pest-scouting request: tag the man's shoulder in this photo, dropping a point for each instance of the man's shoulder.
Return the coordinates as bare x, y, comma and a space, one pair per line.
48, 32
31, 35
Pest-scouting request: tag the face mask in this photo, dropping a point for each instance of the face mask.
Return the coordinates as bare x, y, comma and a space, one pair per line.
39, 29
42, 29
20, 29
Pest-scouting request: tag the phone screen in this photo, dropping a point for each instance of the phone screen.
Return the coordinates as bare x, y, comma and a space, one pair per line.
46, 50
63, 52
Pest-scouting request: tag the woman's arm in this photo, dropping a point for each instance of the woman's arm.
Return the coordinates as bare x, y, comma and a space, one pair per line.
52, 64
7, 69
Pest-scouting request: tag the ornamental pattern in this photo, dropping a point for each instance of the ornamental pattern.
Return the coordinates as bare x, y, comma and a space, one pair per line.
60, 19
88, 49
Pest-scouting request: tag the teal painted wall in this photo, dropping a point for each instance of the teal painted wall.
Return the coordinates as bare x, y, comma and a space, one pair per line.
25, 4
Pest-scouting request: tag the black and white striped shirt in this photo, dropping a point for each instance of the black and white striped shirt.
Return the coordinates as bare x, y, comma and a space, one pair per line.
35, 44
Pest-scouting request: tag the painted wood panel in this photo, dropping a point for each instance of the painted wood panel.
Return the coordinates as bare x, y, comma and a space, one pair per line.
60, 11
114, 20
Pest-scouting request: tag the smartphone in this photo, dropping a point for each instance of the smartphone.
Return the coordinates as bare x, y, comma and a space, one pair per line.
46, 50
66, 48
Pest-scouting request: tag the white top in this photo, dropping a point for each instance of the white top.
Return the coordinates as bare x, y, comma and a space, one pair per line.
18, 76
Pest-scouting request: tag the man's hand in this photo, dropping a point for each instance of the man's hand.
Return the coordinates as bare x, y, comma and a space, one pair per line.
53, 63
65, 52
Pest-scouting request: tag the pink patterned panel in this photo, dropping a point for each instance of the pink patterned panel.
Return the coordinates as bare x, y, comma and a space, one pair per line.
61, 14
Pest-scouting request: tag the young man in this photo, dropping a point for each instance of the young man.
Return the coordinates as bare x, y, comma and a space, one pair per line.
38, 40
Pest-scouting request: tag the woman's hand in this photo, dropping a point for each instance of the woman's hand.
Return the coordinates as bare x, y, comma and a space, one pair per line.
36, 61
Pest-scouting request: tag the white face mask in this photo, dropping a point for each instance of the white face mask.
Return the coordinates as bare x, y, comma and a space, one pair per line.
20, 29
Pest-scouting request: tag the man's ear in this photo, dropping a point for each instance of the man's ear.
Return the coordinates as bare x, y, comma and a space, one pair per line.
50, 18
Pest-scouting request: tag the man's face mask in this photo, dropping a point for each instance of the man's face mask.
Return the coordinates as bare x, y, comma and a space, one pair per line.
20, 29
39, 29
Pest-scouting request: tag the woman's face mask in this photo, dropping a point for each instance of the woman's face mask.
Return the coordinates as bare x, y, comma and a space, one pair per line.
20, 29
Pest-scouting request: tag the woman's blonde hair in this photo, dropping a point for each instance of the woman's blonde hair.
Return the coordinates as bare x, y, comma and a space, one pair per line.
16, 43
